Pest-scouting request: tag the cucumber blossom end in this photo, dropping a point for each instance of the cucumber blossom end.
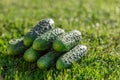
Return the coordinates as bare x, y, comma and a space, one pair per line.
31, 55
58, 46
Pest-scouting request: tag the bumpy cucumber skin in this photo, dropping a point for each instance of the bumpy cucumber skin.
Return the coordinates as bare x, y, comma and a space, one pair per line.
16, 47
31, 55
47, 60
67, 40
42, 27
44, 41
74, 55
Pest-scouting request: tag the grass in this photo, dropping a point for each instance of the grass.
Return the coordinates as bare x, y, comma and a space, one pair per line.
98, 21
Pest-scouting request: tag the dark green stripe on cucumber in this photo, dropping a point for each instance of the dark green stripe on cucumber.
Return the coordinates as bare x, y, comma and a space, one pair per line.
67, 41
48, 60
74, 55
44, 41
42, 27
16, 47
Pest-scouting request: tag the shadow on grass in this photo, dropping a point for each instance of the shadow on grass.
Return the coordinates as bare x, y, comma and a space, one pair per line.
15, 66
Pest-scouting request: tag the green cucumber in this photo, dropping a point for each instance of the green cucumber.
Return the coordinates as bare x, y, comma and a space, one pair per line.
47, 60
67, 41
74, 55
16, 47
42, 27
44, 41
31, 55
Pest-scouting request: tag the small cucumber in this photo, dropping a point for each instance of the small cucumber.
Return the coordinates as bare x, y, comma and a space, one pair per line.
74, 55
67, 41
44, 41
16, 47
31, 55
42, 27
47, 60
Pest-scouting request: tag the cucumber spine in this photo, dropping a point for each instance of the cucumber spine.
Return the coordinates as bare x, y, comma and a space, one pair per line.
67, 41
16, 47
67, 59
43, 26
44, 41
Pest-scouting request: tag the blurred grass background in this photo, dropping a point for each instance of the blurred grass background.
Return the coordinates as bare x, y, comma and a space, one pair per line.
98, 21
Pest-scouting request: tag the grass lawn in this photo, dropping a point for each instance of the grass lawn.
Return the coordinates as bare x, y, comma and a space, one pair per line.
98, 21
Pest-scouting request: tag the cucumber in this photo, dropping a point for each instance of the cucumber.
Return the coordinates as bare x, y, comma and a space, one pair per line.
16, 47
47, 60
31, 55
74, 55
44, 41
42, 27
67, 41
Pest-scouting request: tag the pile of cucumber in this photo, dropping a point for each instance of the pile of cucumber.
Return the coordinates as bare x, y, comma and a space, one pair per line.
47, 45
